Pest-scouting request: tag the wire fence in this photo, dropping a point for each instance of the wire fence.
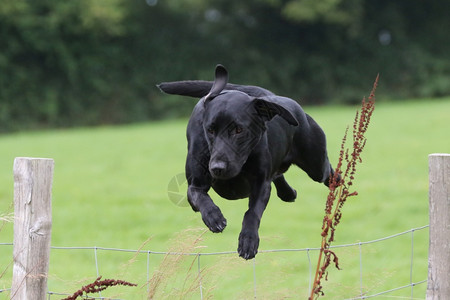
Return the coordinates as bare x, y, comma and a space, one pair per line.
199, 264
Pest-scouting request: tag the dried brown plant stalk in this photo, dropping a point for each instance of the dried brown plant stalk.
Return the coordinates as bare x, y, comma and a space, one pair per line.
97, 286
340, 190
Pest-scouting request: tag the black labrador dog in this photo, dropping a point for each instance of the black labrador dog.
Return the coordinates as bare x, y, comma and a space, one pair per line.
240, 140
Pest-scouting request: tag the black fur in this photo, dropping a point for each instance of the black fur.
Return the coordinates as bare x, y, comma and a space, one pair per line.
240, 140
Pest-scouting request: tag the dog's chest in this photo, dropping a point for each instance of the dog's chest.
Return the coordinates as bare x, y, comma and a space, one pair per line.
232, 189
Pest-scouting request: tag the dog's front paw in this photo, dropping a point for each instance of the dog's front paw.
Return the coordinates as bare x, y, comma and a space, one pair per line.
248, 245
214, 219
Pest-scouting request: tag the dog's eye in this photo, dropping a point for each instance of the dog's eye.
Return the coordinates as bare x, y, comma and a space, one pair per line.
210, 130
238, 129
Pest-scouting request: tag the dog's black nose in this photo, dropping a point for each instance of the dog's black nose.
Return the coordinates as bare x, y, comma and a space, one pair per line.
217, 168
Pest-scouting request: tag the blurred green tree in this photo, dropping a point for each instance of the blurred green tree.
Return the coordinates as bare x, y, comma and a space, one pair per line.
86, 62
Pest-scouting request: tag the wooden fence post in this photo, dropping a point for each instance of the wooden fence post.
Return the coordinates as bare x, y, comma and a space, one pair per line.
439, 248
32, 227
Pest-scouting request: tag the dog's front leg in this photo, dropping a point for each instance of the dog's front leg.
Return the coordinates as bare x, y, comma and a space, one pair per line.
249, 238
211, 214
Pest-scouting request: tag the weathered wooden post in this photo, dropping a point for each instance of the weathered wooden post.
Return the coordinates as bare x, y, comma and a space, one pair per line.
439, 250
32, 227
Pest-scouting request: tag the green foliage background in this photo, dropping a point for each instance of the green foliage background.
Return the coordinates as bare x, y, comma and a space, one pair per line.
88, 62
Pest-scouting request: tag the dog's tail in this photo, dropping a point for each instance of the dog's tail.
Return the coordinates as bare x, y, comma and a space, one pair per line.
200, 88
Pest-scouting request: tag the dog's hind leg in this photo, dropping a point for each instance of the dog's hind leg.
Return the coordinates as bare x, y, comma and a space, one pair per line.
284, 191
310, 152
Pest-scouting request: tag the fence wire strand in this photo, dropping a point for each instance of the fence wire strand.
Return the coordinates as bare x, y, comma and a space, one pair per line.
96, 249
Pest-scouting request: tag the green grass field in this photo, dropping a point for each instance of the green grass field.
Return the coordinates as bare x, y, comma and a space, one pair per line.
110, 190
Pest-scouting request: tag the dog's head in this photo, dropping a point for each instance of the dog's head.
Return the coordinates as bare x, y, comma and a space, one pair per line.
233, 122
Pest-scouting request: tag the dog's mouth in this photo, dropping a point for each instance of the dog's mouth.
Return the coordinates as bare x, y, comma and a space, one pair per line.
221, 177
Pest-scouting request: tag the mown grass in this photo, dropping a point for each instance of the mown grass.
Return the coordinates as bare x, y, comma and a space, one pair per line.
110, 190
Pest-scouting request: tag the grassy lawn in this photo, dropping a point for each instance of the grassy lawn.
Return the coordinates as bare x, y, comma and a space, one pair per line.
110, 190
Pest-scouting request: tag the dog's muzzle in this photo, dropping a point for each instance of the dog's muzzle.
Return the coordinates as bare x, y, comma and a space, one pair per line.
218, 169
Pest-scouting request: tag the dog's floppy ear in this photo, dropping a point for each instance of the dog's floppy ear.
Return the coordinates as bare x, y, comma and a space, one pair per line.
220, 81
267, 110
